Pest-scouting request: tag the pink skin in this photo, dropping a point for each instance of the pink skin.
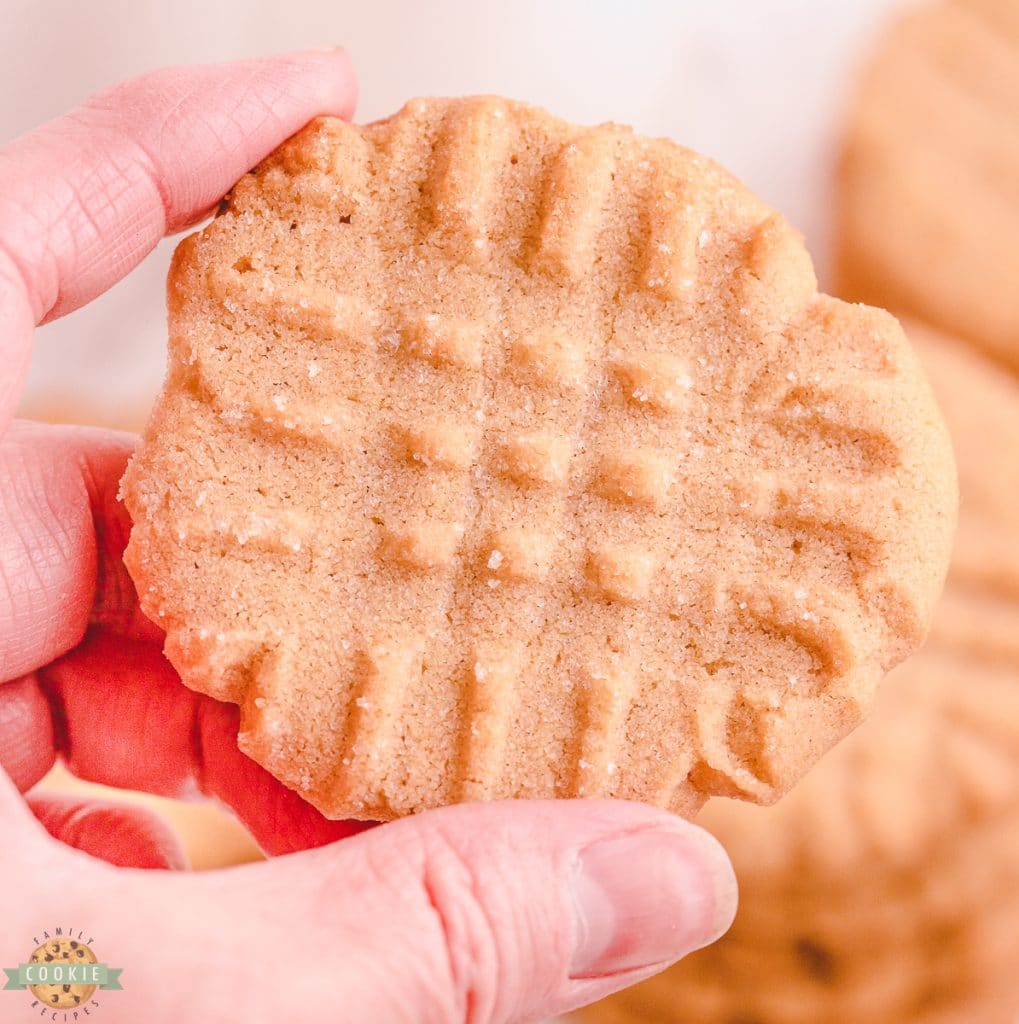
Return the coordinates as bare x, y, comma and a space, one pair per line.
500, 912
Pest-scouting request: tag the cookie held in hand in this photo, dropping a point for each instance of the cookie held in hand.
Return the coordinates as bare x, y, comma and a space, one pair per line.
503, 458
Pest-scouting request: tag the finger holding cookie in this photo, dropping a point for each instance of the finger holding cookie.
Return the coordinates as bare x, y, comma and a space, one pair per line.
83, 199
499, 912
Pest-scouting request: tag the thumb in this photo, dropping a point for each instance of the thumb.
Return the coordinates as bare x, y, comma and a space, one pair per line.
515, 911
484, 913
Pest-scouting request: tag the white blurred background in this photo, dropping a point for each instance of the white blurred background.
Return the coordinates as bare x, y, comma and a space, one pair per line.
757, 84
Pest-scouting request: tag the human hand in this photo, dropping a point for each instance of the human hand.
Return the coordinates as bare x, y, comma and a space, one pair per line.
499, 912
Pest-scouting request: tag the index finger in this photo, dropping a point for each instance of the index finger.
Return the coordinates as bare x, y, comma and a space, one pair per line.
86, 196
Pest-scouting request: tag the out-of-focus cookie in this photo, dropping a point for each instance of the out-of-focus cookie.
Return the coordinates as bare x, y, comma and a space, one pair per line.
980, 401
928, 217
885, 888
499, 457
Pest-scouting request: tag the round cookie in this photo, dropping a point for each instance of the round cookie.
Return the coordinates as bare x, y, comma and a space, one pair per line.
926, 205
885, 888
63, 951
503, 458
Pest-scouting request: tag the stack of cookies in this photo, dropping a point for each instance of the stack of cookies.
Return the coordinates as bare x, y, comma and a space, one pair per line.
885, 888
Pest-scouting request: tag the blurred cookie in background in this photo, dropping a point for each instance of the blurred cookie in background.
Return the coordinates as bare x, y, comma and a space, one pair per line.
885, 888
927, 202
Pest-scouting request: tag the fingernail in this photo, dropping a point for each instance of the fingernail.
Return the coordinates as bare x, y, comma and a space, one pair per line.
648, 899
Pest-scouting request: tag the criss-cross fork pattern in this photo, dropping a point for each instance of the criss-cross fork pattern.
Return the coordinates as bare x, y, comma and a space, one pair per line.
543, 480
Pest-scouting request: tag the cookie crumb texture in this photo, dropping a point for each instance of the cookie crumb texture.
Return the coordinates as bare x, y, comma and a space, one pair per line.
503, 458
